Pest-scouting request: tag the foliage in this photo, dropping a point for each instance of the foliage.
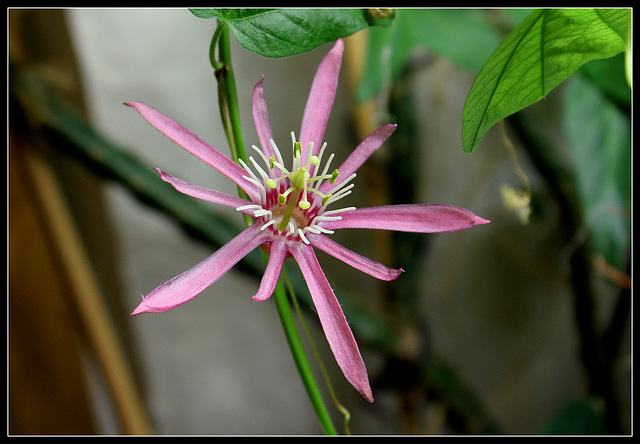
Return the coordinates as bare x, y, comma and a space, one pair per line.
541, 52
286, 32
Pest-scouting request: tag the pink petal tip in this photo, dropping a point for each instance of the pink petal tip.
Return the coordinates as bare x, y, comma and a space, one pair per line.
479, 221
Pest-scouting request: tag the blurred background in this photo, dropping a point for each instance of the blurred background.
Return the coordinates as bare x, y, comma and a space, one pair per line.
516, 327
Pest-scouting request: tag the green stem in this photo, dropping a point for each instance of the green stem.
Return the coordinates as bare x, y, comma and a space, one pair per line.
227, 93
228, 98
217, 65
230, 113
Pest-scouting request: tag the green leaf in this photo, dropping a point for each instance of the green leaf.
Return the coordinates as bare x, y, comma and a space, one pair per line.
286, 32
534, 58
599, 135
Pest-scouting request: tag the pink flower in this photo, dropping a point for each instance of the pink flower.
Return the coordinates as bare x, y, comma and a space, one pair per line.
290, 207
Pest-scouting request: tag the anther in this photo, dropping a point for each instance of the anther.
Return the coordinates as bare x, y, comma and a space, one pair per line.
297, 149
334, 176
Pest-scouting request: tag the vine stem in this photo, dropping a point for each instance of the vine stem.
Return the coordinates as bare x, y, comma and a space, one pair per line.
230, 113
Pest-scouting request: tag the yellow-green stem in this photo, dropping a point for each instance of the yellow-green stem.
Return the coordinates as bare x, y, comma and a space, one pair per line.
293, 199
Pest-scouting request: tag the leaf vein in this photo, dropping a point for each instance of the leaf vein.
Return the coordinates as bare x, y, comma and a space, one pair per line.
500, 76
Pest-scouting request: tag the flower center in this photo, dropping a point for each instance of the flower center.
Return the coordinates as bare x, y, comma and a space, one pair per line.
288, 201
299, 180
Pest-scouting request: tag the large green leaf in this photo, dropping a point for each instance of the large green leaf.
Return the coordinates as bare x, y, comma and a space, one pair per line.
286, 32
534, 58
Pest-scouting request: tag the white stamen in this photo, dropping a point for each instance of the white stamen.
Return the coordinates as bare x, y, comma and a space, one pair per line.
253, 181
311, 228
326, 168
342, 191
346, 181
339, 210
247, 169
337, 197
309, 153
249, 207
327, 218
324, 145
264, 158
262, 212
277, 151
320, 229
271, 222
303, 237
256, 182
263, 174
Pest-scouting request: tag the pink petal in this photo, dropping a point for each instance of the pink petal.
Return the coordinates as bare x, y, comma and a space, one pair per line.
191, 283
373, 268
204, 193
412, 218
277, 255
362, 152
335, 326
196, 146
320, 101
261, 119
